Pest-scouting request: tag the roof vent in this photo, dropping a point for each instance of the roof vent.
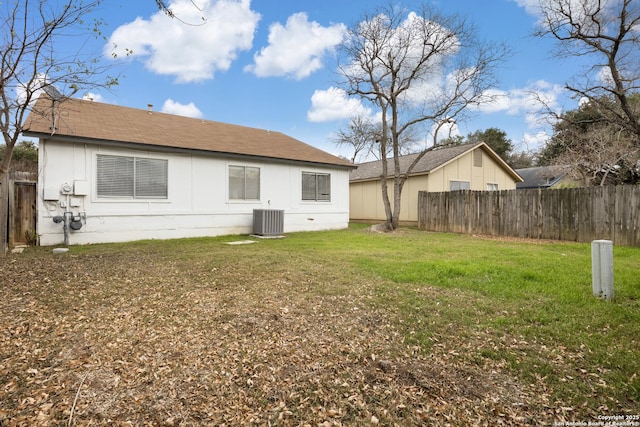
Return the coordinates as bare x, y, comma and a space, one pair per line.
150, 108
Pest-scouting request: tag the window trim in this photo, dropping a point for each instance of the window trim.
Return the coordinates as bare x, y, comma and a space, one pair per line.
135, 178
490, 184
318, 196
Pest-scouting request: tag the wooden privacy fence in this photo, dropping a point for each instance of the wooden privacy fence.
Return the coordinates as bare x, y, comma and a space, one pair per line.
22, 213
574, 214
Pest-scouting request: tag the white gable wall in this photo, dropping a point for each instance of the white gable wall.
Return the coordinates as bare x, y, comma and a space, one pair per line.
198, 203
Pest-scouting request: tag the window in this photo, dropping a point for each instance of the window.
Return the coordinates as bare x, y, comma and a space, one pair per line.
316, 186
132, 177
492, 187
477, 157
244, 183
459, 185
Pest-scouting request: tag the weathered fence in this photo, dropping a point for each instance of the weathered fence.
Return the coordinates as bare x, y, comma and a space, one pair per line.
22, 213
574, 214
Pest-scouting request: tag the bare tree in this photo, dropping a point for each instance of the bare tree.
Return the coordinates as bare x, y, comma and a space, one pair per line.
597, 151
604, 34
163, 6
602, 156
364, 137
32, 61
416, 68
360, 135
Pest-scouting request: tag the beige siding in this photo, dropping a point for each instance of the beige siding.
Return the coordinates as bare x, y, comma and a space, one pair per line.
366, 197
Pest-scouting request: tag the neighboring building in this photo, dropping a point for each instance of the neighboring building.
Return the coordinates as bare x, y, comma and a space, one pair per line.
460, 167
546, 177
123, 174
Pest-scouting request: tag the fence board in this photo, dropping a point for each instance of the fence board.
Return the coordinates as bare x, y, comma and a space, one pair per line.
574, 214
22, 212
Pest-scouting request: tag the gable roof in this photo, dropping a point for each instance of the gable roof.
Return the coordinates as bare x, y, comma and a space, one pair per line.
95, 122
430, 162
542, 176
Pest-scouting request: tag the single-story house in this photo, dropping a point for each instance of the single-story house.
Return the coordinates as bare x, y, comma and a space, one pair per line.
546, 177
459, 167
122, 174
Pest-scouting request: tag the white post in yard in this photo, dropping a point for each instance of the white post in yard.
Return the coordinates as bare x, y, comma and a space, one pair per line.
602, 268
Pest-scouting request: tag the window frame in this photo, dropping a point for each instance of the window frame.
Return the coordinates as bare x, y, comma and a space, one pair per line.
318, 196
244, 198
468, 185
144, 172
495, 186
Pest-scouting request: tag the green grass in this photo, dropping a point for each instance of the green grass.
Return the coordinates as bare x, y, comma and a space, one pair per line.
537, 295
525, 305
531, 302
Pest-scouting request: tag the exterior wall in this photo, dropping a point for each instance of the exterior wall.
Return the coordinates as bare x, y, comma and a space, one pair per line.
462, 169
366, 197
197, 202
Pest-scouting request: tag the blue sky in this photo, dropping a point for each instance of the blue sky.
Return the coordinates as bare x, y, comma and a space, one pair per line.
271, 64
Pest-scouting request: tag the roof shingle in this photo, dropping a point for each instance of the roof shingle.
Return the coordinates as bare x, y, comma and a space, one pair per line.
99, 122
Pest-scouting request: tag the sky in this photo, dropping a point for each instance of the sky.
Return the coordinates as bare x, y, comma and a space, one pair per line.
271, 64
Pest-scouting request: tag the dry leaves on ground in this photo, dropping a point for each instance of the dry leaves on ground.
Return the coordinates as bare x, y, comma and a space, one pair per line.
120, 340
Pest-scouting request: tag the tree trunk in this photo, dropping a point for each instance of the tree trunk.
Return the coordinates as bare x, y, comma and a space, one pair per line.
387, 203
4, 213
398, 185
395, 219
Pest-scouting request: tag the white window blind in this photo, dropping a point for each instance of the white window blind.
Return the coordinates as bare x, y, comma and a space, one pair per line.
316, 186
151, 178
132, 177
244, 183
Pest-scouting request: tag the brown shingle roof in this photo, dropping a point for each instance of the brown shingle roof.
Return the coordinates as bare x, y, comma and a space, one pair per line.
98, 122
429, 162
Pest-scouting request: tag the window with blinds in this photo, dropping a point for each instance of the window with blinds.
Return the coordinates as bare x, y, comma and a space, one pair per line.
132, 177
244, 183
316, 186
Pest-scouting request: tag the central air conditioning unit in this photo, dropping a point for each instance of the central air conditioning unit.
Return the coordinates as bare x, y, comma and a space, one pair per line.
268, 222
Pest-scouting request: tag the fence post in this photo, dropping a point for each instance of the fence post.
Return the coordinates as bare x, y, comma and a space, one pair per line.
602, 268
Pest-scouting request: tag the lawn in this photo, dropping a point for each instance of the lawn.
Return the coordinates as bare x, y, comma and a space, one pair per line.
345, 327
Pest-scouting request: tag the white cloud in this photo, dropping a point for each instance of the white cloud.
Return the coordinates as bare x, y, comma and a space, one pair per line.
90, 96
190, 110
296, 49
530, 101
334, 104
191, 53
535, 141
531, 6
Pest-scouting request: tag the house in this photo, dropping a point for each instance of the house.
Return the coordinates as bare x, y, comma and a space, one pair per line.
546, 177
111, 174
459, 167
